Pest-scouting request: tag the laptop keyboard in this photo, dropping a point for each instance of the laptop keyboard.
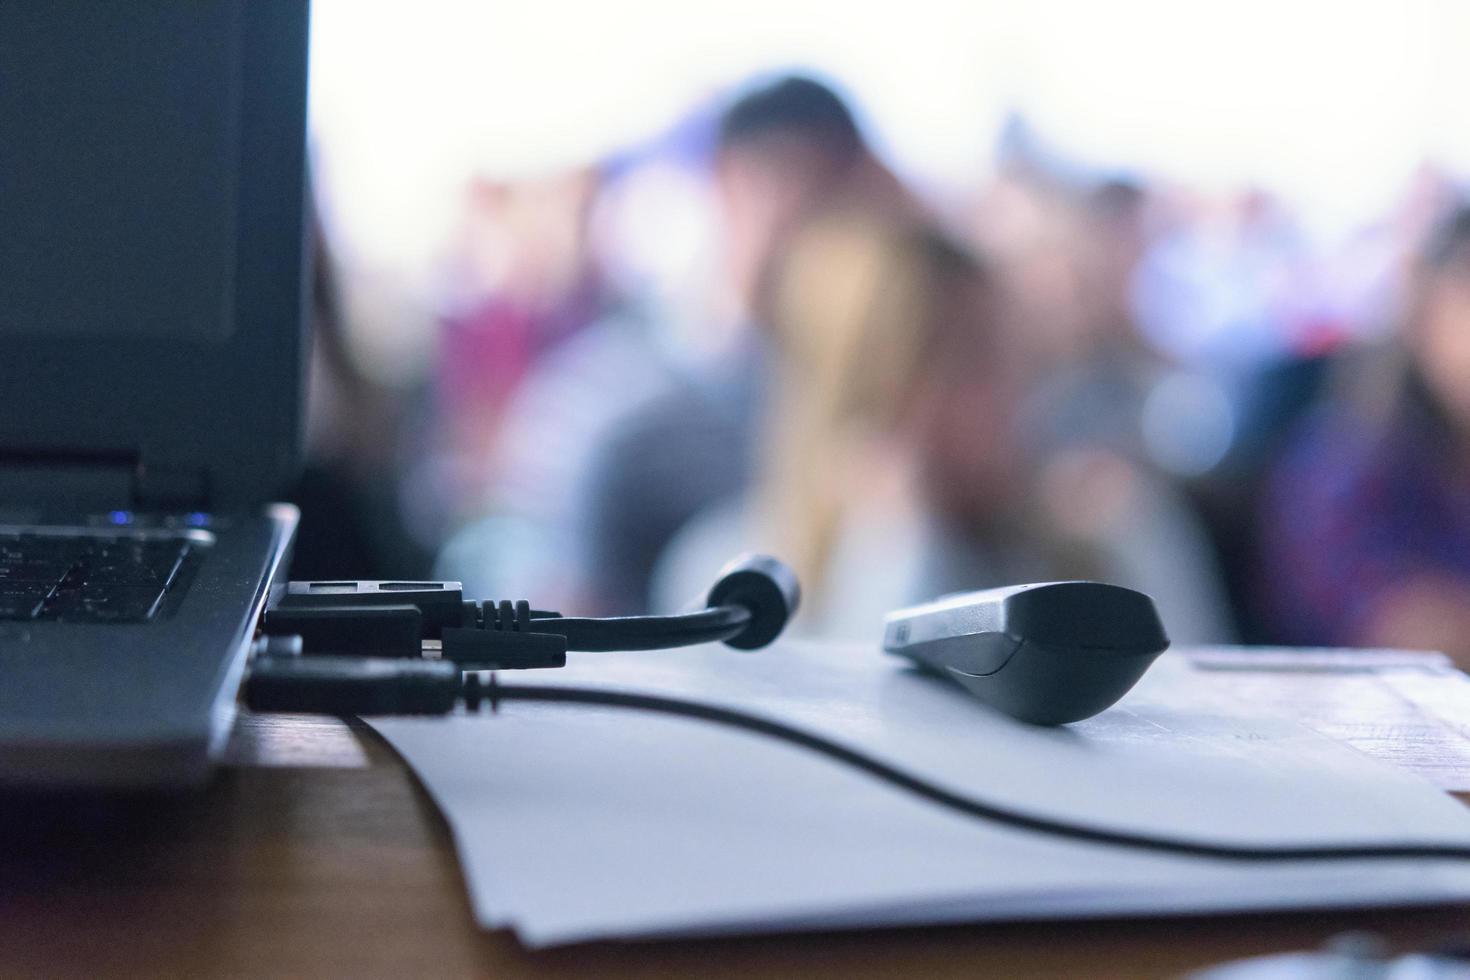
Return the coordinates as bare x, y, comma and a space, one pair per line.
88, 577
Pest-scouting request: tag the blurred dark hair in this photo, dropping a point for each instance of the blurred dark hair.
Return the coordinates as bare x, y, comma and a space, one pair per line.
1449, 242
1447, 245
794, 105
1116, 197
952, 261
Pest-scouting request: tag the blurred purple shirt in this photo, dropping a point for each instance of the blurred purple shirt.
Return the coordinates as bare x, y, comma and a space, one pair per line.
1353, 510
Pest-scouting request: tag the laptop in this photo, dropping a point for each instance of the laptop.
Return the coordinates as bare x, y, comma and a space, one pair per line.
152, 186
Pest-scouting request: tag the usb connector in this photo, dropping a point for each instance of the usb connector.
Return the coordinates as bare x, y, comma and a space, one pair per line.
394, 618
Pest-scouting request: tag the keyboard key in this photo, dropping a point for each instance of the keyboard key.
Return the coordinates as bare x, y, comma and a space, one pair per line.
22, 601
86, 577
30, 570
126, 573
46, 546
115, 604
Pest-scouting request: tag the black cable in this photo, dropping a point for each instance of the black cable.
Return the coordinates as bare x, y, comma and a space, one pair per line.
496, 692
383, 686
747, 608
647, 632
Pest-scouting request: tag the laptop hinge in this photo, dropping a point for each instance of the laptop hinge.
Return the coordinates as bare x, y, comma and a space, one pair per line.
165, 488
32, 484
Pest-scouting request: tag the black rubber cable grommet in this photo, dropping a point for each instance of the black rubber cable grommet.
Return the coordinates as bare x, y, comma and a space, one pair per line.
765, 586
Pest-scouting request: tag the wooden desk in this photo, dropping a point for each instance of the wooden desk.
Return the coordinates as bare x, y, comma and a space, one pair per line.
316, 853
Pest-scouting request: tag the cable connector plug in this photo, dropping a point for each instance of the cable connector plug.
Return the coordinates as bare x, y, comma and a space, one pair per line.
507, 639
352, 686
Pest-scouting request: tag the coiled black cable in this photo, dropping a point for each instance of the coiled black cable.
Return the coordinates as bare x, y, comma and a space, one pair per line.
648, 632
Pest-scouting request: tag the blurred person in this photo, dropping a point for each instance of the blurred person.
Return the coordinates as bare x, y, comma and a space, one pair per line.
651, 226
1029, 224
1365, 530
1105, 401
893, 469
1070, 253
1099, 371
785, 150
523, 280
1203, 429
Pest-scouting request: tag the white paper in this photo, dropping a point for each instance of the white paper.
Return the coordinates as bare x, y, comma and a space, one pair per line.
1410, 709
576, 823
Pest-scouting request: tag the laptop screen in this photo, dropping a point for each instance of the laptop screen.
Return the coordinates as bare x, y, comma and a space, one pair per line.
106, 234
152, 189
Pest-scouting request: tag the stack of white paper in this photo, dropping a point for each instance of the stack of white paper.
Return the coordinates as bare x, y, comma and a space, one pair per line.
577, 823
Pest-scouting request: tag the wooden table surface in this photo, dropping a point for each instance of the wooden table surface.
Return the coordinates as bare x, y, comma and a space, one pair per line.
316, 853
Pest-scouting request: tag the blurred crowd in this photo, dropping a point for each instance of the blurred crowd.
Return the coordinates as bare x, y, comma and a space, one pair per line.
750, 334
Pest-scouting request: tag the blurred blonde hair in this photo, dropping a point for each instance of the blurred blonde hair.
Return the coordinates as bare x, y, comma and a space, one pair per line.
857, 304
